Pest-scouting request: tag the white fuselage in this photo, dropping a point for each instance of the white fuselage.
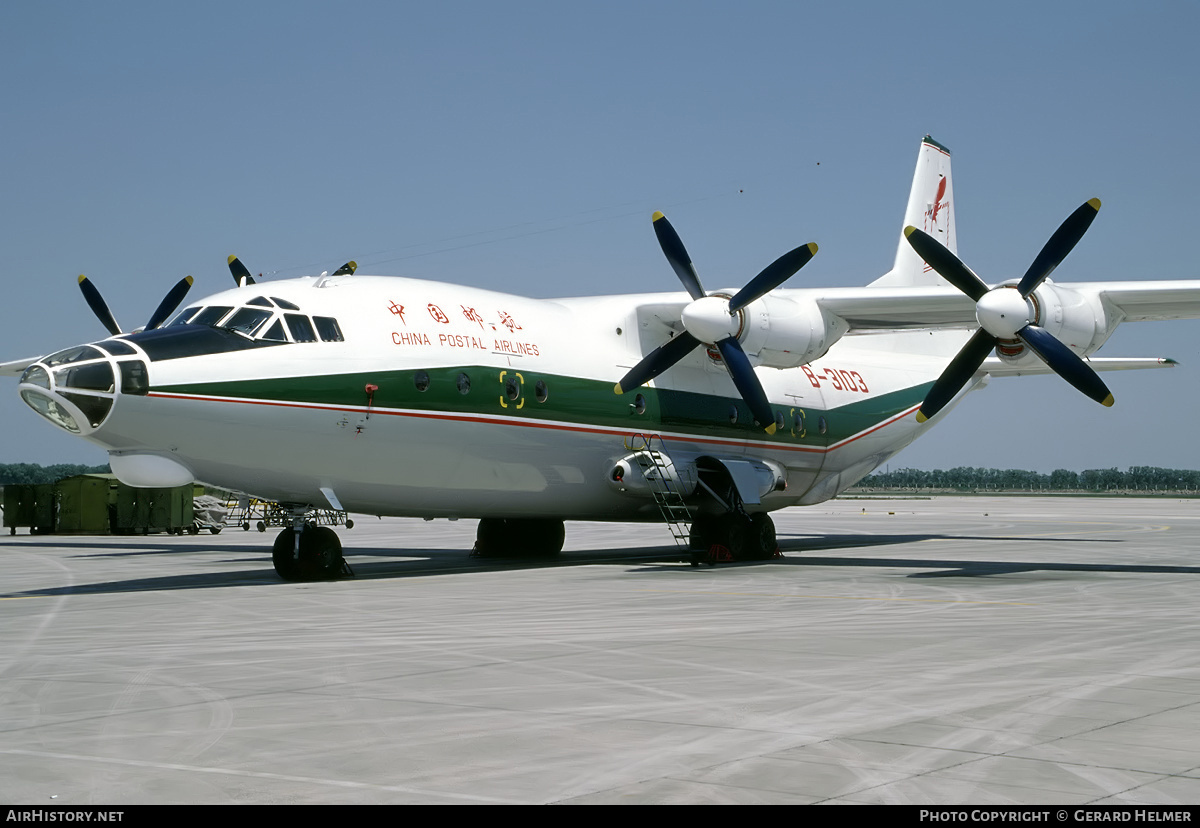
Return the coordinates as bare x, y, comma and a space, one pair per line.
517, 416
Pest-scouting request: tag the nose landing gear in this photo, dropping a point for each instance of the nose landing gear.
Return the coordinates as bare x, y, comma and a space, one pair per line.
304, 552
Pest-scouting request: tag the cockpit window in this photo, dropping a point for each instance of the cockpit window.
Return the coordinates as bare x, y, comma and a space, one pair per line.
247, 320
77, 354
300, 327
117, 348
257, 319
210, 316
275, 332
184, 316
328, 328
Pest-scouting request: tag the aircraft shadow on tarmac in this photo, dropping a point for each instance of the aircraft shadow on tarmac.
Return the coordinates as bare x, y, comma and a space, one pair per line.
374, 563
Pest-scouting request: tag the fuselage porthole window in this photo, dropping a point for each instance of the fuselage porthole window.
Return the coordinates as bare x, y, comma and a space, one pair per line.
464, 384
541, 391
421, 380
822, 426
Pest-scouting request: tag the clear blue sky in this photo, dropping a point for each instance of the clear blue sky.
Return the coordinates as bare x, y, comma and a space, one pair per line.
523, 146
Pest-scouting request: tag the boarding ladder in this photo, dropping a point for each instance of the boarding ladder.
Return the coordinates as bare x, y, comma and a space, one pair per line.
666, 492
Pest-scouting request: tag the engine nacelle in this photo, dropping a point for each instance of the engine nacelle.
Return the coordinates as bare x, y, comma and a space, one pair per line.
645, 472
1078, 320
786, 333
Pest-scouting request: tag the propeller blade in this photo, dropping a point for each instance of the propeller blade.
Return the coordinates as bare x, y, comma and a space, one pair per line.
677, 255
99, 307
1066, 363
347, 269
947, 265
657, 361
957, 374
240, 274
774, 275
742, 374
169, 303
1061, 243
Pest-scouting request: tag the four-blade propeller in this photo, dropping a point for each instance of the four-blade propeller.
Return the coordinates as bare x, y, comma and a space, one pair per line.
1006, 313
714, 320
165, 308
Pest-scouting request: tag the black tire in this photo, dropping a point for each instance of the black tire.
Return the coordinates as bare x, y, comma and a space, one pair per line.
320, 553
542, 538
735, 531
216, 530
519, 537
286, 566
703, 534
762, 536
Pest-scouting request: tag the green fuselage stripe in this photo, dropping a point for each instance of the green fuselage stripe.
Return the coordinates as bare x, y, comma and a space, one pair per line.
567, 400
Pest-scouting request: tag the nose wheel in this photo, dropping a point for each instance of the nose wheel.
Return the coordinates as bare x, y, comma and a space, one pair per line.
312, 554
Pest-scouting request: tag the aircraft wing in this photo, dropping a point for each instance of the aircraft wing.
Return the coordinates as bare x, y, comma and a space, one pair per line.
892, 309
1148, 301
870, 309
998, 368
16, 367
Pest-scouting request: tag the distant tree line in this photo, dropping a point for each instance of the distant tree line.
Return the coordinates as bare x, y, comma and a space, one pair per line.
1134, 479
18, 473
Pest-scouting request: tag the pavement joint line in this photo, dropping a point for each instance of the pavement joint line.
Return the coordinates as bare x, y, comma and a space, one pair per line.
836, 597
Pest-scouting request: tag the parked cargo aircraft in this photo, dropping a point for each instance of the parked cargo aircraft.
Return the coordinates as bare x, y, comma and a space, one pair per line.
394, 396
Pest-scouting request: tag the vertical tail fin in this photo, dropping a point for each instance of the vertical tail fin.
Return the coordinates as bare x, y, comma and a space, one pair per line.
931, 208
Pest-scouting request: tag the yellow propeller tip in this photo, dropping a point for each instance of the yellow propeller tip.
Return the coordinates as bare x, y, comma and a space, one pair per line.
657, 215
812, 248
1108, 401
921, 417
770, 429
908, 231
230, 260
82, 279
1095, 203
190, 280
618, 390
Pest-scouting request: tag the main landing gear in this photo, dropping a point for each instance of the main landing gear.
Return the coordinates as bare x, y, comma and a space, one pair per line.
518, 538
733, 536
307, 552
